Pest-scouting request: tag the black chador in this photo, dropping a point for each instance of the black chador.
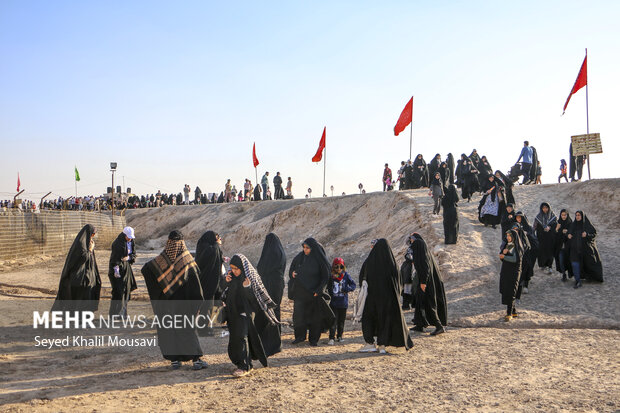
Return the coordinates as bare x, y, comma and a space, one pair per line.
257, 190
311, 312
245, 296
562, 259
271, 266
485, 169
530, 245
492, 202
510, 274
120, 273
431, 305
172, 280
80, 283
584, 250
508, 219
470, 184
507, 184
544, 227
420, 173
383, 317
450, 162
210, 260
434, 164
450, 215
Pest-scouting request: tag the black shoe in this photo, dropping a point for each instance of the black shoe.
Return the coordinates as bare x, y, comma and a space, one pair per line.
493, 226
577, 284
297, 341
313, 344
417, 328
564, 278
438, 330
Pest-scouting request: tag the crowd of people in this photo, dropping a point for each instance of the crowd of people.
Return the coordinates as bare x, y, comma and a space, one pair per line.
248, 299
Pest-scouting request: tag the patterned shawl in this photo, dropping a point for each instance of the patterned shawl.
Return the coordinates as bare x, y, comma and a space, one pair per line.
262, 296
172, 266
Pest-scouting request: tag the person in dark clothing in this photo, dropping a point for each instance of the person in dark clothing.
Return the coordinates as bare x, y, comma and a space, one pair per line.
120, 273
508, 219
450, 215
407, 278
434, 164
563, 172
492, 203
507, 184
562, 259
210, 261
511, 255
271, 267
420, 173
576, 164
475, 159
485, 169
173, 283
460, 170
530, 244
339, 287
470, 184
583, 253
80, 284
450, 162
431, 305
544, 228
526, 165
387, 176
311, 312
245, 296
409, 175
382, 316
437, 192
278, 192
257, 191
444, 172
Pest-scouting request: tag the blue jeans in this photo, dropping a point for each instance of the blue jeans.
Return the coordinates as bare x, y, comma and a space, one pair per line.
576, 270
525, 171
264, 192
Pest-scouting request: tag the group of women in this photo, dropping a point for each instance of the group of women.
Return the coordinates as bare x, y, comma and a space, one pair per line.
570, 243
182, 283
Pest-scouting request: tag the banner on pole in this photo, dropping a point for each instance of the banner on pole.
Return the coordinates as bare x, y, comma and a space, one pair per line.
586, 144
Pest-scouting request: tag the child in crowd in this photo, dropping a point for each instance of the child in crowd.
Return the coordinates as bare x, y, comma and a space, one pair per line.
339, 287
538, 173
562, 170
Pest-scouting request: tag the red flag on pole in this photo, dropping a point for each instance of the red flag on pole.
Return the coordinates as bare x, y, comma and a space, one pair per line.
319, 152
582, 80
405, 118
18, 182
254, 158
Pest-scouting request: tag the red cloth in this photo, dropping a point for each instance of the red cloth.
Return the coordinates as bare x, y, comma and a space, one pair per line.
319, 152
18, 183
405, 118
254, 158
582, 80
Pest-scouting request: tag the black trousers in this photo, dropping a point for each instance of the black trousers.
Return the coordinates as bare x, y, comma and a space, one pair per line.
525, 171
120, 297
238, 346
338, 326
306, 321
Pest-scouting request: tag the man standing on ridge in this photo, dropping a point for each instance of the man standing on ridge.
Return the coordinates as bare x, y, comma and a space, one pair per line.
526, 165
265, 184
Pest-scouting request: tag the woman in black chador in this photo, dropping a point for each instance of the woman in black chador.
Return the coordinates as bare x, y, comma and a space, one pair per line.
450, 162
245, 296
80, 283
507, 184
120, 272
469, 175
583, 253
485, 169
431, 305
511, 255
210, 261
450, 215
271, 268
420, 173
310, 271
491, 204
382, 317
562, 260
433, 166
530, 245
544, 227
174, 288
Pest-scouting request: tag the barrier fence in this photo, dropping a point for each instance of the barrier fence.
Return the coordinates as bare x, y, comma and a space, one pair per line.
26, 234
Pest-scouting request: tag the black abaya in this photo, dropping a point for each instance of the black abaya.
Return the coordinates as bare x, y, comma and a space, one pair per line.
209, 258
544, 227
431, 305
510, 273
271, 266
126, 282
383, 316
450, 215
584, 249
80, 284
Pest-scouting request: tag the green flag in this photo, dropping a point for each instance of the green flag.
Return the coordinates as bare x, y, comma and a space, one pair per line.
77, 175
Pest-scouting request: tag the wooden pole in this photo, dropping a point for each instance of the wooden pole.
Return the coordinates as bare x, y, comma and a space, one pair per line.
324, 168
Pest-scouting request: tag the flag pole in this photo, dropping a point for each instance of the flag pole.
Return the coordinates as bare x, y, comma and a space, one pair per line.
411, 130
587, 120
324, 168
256, 183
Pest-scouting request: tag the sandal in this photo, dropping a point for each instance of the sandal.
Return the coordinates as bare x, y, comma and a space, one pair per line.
240, 373
507, 317
199, 365
175, 365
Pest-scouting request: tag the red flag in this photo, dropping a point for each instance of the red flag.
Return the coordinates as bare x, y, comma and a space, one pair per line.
319, 152
18, 182
254, 158
582, 80
405, 118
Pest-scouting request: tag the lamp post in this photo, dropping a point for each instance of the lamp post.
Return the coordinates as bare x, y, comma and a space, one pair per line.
112, 169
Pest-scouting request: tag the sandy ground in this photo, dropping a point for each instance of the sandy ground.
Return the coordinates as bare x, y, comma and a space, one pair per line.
562, 354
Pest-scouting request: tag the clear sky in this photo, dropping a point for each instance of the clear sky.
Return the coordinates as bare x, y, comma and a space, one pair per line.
177, 92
